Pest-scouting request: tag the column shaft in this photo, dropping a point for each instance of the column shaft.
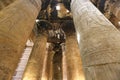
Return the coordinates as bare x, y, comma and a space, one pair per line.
115, 9
64, 67
16, 23
99, 42
73, 60
35, 64
57, 66
49, 64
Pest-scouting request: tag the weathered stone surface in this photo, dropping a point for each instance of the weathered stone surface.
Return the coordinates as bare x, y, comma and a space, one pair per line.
73, 60
5, 3
99, 42
35, 64
16, 23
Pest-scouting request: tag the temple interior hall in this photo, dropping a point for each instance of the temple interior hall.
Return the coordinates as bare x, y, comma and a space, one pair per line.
59, 40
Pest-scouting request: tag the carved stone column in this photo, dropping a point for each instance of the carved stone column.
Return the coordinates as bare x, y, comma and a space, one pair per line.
64, 67
99, 42
35, 64
73, 60
57, 65
16, 24
115, 9
48, 69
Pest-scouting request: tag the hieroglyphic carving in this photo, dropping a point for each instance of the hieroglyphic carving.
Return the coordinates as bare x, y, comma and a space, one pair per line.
85, 11
99, 42
16, 24
34, 3
4, 3
91, 20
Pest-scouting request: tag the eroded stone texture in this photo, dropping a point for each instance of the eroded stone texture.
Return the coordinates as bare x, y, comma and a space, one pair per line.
16, 23
35, 64
73, 60
99, 42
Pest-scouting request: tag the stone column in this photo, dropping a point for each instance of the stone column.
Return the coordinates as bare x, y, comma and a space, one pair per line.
35, 64
115, 9
16, 23
5, 3
99, 42
57, 65
48, 69
64, 67
73, 60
